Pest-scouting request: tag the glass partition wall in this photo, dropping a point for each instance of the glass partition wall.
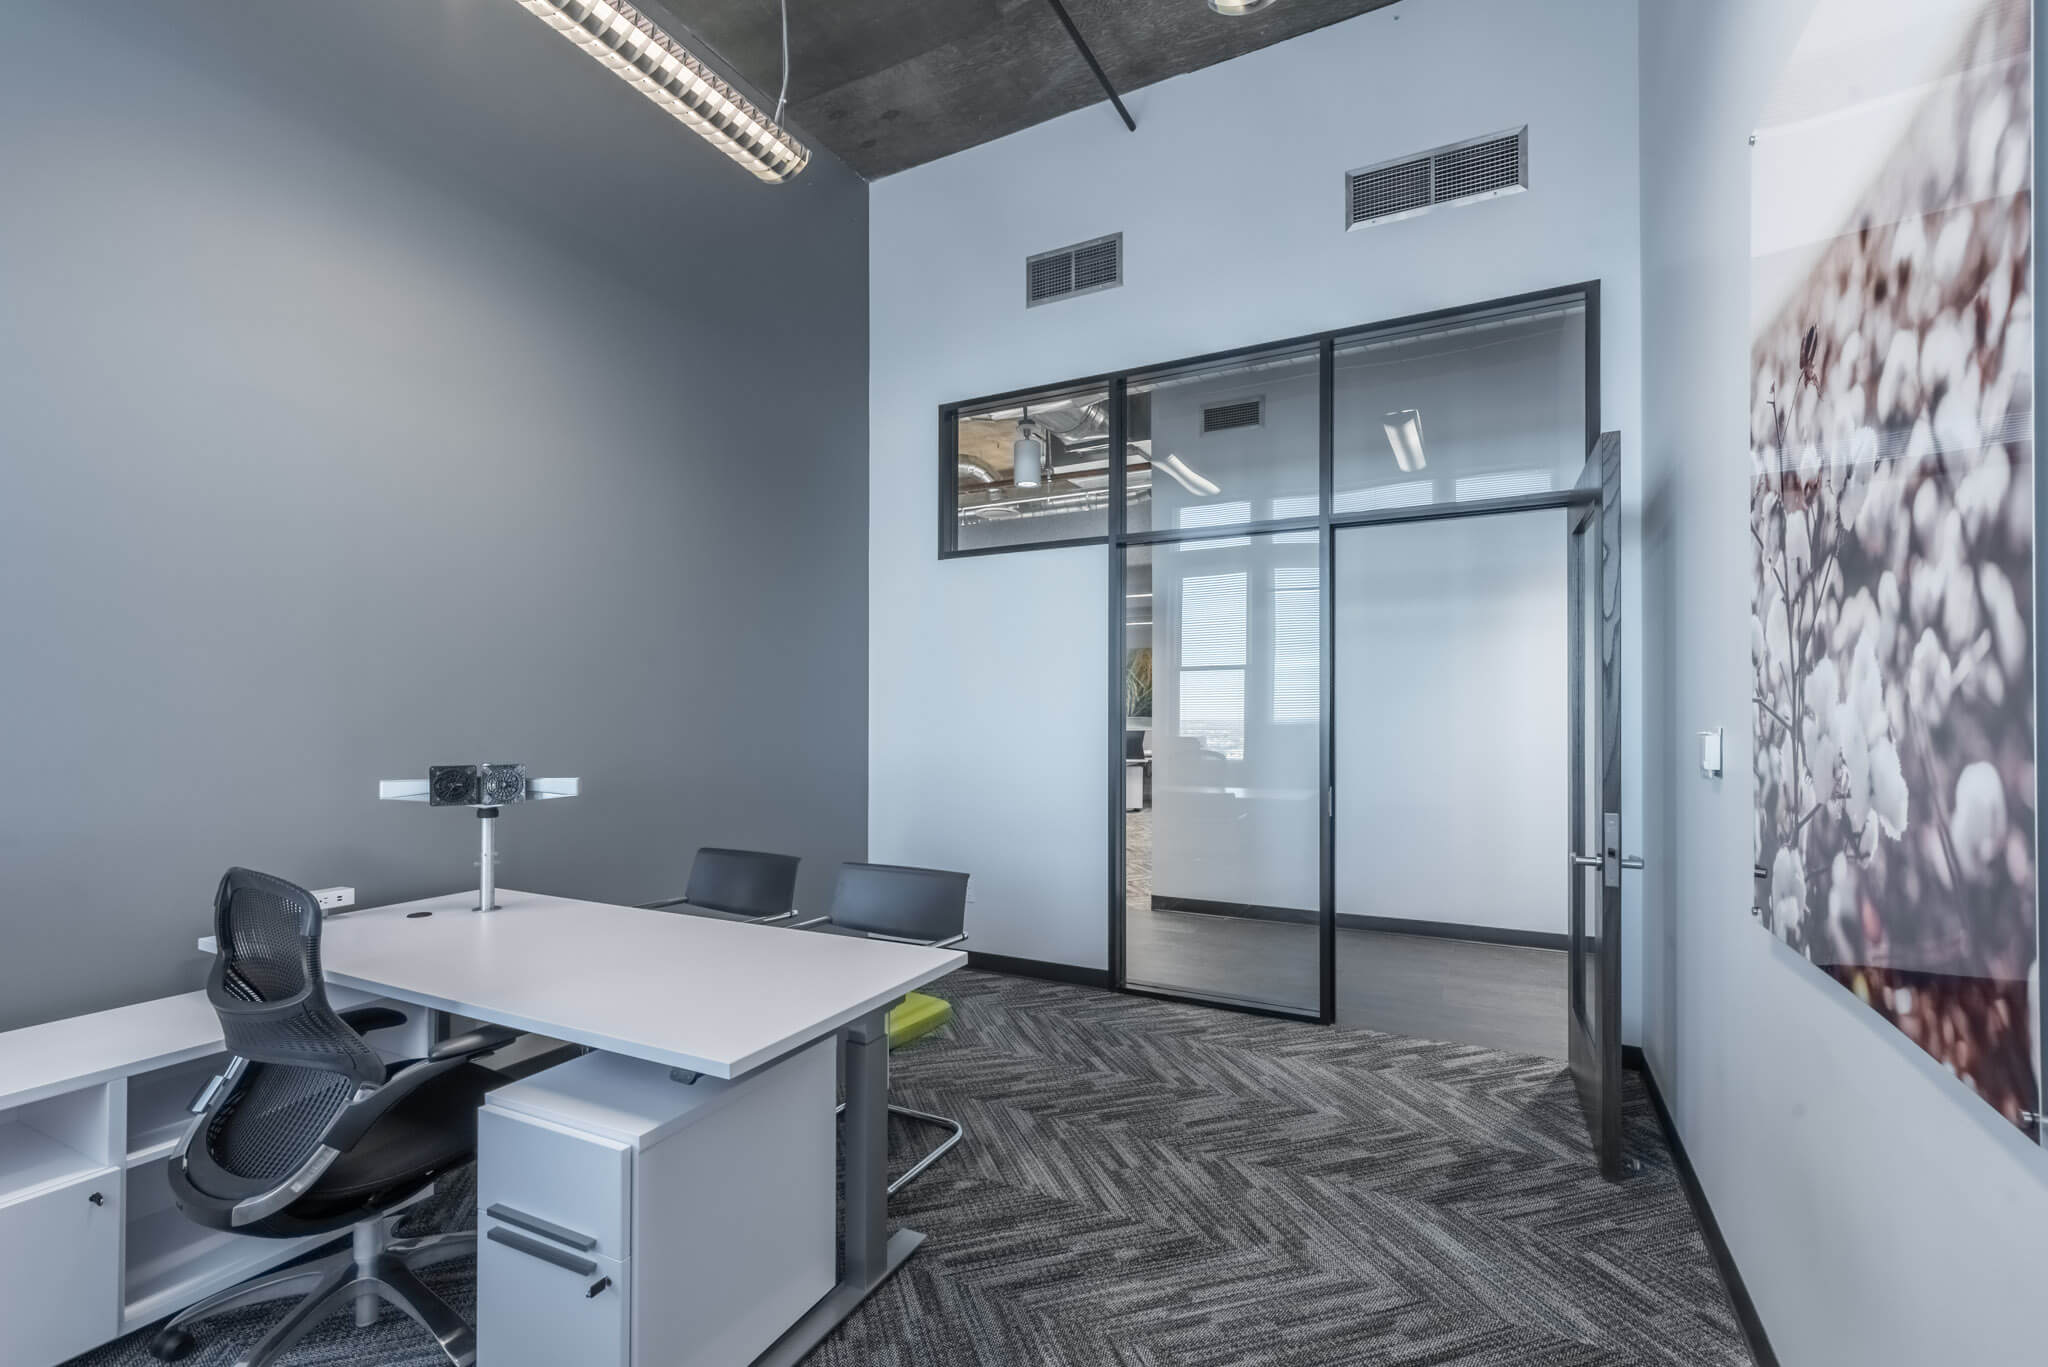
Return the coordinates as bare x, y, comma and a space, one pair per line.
1219, 485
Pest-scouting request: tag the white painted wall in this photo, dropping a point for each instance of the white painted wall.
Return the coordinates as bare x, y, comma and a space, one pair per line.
987, 676
1878, 1213
1453, 728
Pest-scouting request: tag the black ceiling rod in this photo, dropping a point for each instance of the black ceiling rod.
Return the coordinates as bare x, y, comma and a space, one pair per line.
1093, 65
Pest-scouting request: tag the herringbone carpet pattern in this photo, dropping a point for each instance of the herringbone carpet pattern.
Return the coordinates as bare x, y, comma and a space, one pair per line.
1153, 1185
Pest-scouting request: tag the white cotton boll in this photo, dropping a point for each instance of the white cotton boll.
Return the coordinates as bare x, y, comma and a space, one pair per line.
1956, 430
1866, 687
1853, 781
1809, 465
1926, 591
2013, 164
2008, 628
1943, 351
1980, 494
1959, 616
1887, 614
1987, 133
1850, 355
1926, 512
1757, 654
1858, 615
1987, 681
1823, 687
1888, 797
1909, 244
1930, 679
1997, 295
1898, 385
1778, 634
1788, 893
1952, 248
1950, 547
1977, 825
1798, 549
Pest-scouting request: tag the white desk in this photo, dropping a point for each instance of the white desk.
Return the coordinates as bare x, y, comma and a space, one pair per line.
710, 996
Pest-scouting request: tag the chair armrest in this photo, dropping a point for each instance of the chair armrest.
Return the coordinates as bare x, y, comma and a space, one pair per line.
665, 902
481, 1040
364, 1019
367, 1109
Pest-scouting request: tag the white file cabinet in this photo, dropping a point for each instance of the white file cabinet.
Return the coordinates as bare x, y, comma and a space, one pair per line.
632, 1220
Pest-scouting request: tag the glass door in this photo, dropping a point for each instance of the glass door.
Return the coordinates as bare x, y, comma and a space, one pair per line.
1593, 1023
1222, 658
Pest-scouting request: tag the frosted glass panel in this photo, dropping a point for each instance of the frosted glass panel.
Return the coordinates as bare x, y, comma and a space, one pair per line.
1222, 830
1484, 406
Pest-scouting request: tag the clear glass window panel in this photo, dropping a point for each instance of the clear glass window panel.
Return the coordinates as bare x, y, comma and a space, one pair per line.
1228, 442
1002, 501
1488, 405
1222, 815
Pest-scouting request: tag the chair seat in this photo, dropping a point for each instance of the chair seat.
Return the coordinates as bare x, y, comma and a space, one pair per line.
429, 1132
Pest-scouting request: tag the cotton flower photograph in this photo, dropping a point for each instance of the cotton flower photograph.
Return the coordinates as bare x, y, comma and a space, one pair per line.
1892, 529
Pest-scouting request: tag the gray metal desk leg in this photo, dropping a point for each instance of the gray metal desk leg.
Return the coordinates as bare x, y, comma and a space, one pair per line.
872, 1253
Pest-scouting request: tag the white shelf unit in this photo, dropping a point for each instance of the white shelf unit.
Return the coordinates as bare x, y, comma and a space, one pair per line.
168, 1262
91, 1111
160, 1106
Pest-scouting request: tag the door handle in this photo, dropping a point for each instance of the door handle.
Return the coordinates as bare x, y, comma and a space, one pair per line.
1631, 861
1587, 861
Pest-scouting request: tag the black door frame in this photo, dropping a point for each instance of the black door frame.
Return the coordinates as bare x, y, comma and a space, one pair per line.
1326, 523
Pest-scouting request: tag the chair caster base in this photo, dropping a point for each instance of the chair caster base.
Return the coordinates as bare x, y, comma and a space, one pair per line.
172, 1345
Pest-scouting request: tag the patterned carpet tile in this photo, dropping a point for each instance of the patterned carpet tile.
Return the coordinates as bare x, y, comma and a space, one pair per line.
1146, 1184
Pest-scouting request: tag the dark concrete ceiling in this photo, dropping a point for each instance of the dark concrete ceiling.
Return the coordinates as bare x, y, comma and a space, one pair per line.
889, 84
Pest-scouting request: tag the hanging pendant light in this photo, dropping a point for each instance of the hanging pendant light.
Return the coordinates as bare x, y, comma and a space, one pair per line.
1028, 454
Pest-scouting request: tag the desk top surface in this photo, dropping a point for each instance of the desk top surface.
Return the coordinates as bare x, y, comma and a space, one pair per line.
712, 996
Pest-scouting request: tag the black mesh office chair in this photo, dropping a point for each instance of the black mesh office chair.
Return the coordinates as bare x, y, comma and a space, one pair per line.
738, 885
915, 906
307, 1131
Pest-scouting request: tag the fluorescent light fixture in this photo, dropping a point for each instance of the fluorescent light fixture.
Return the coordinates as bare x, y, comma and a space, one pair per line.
1027, 454
1236, 8
1188, 479
656, 65
1404, 434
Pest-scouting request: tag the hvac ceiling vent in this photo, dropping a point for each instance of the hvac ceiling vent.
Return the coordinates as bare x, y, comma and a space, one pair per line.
1463, 172
1224, 417
1083, 268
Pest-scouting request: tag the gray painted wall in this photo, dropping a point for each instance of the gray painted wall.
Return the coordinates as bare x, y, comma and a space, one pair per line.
385, 384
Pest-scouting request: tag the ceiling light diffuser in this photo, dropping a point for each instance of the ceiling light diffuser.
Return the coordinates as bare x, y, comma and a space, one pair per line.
1404, 434
1234, 8
640, 54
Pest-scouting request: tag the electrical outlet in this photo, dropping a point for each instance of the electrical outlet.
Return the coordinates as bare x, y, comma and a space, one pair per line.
334, 899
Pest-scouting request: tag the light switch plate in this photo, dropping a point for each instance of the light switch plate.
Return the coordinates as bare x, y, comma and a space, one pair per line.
1711, 758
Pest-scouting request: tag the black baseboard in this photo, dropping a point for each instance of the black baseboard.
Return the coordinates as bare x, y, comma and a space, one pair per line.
1633, 1060
1397, 925
1039, 968
1710, 1228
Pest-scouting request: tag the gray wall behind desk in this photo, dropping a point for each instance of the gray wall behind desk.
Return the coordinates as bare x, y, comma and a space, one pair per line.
385, 384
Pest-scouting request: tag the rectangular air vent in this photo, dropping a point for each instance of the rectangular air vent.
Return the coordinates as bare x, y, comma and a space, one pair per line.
1223, 417
1478, 168
1083, 268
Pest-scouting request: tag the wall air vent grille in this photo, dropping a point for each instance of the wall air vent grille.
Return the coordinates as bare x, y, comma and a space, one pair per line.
1083, 268
1223, 417
1478, 168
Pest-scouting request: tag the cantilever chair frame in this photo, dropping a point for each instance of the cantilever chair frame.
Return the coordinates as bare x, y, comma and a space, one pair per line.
957, 1131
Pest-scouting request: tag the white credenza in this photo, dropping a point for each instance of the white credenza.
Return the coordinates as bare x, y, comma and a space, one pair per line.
629, 1219
91, 1110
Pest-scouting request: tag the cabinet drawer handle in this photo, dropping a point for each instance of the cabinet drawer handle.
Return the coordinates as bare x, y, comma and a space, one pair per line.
534, 1248
547, 1229
97, 1198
